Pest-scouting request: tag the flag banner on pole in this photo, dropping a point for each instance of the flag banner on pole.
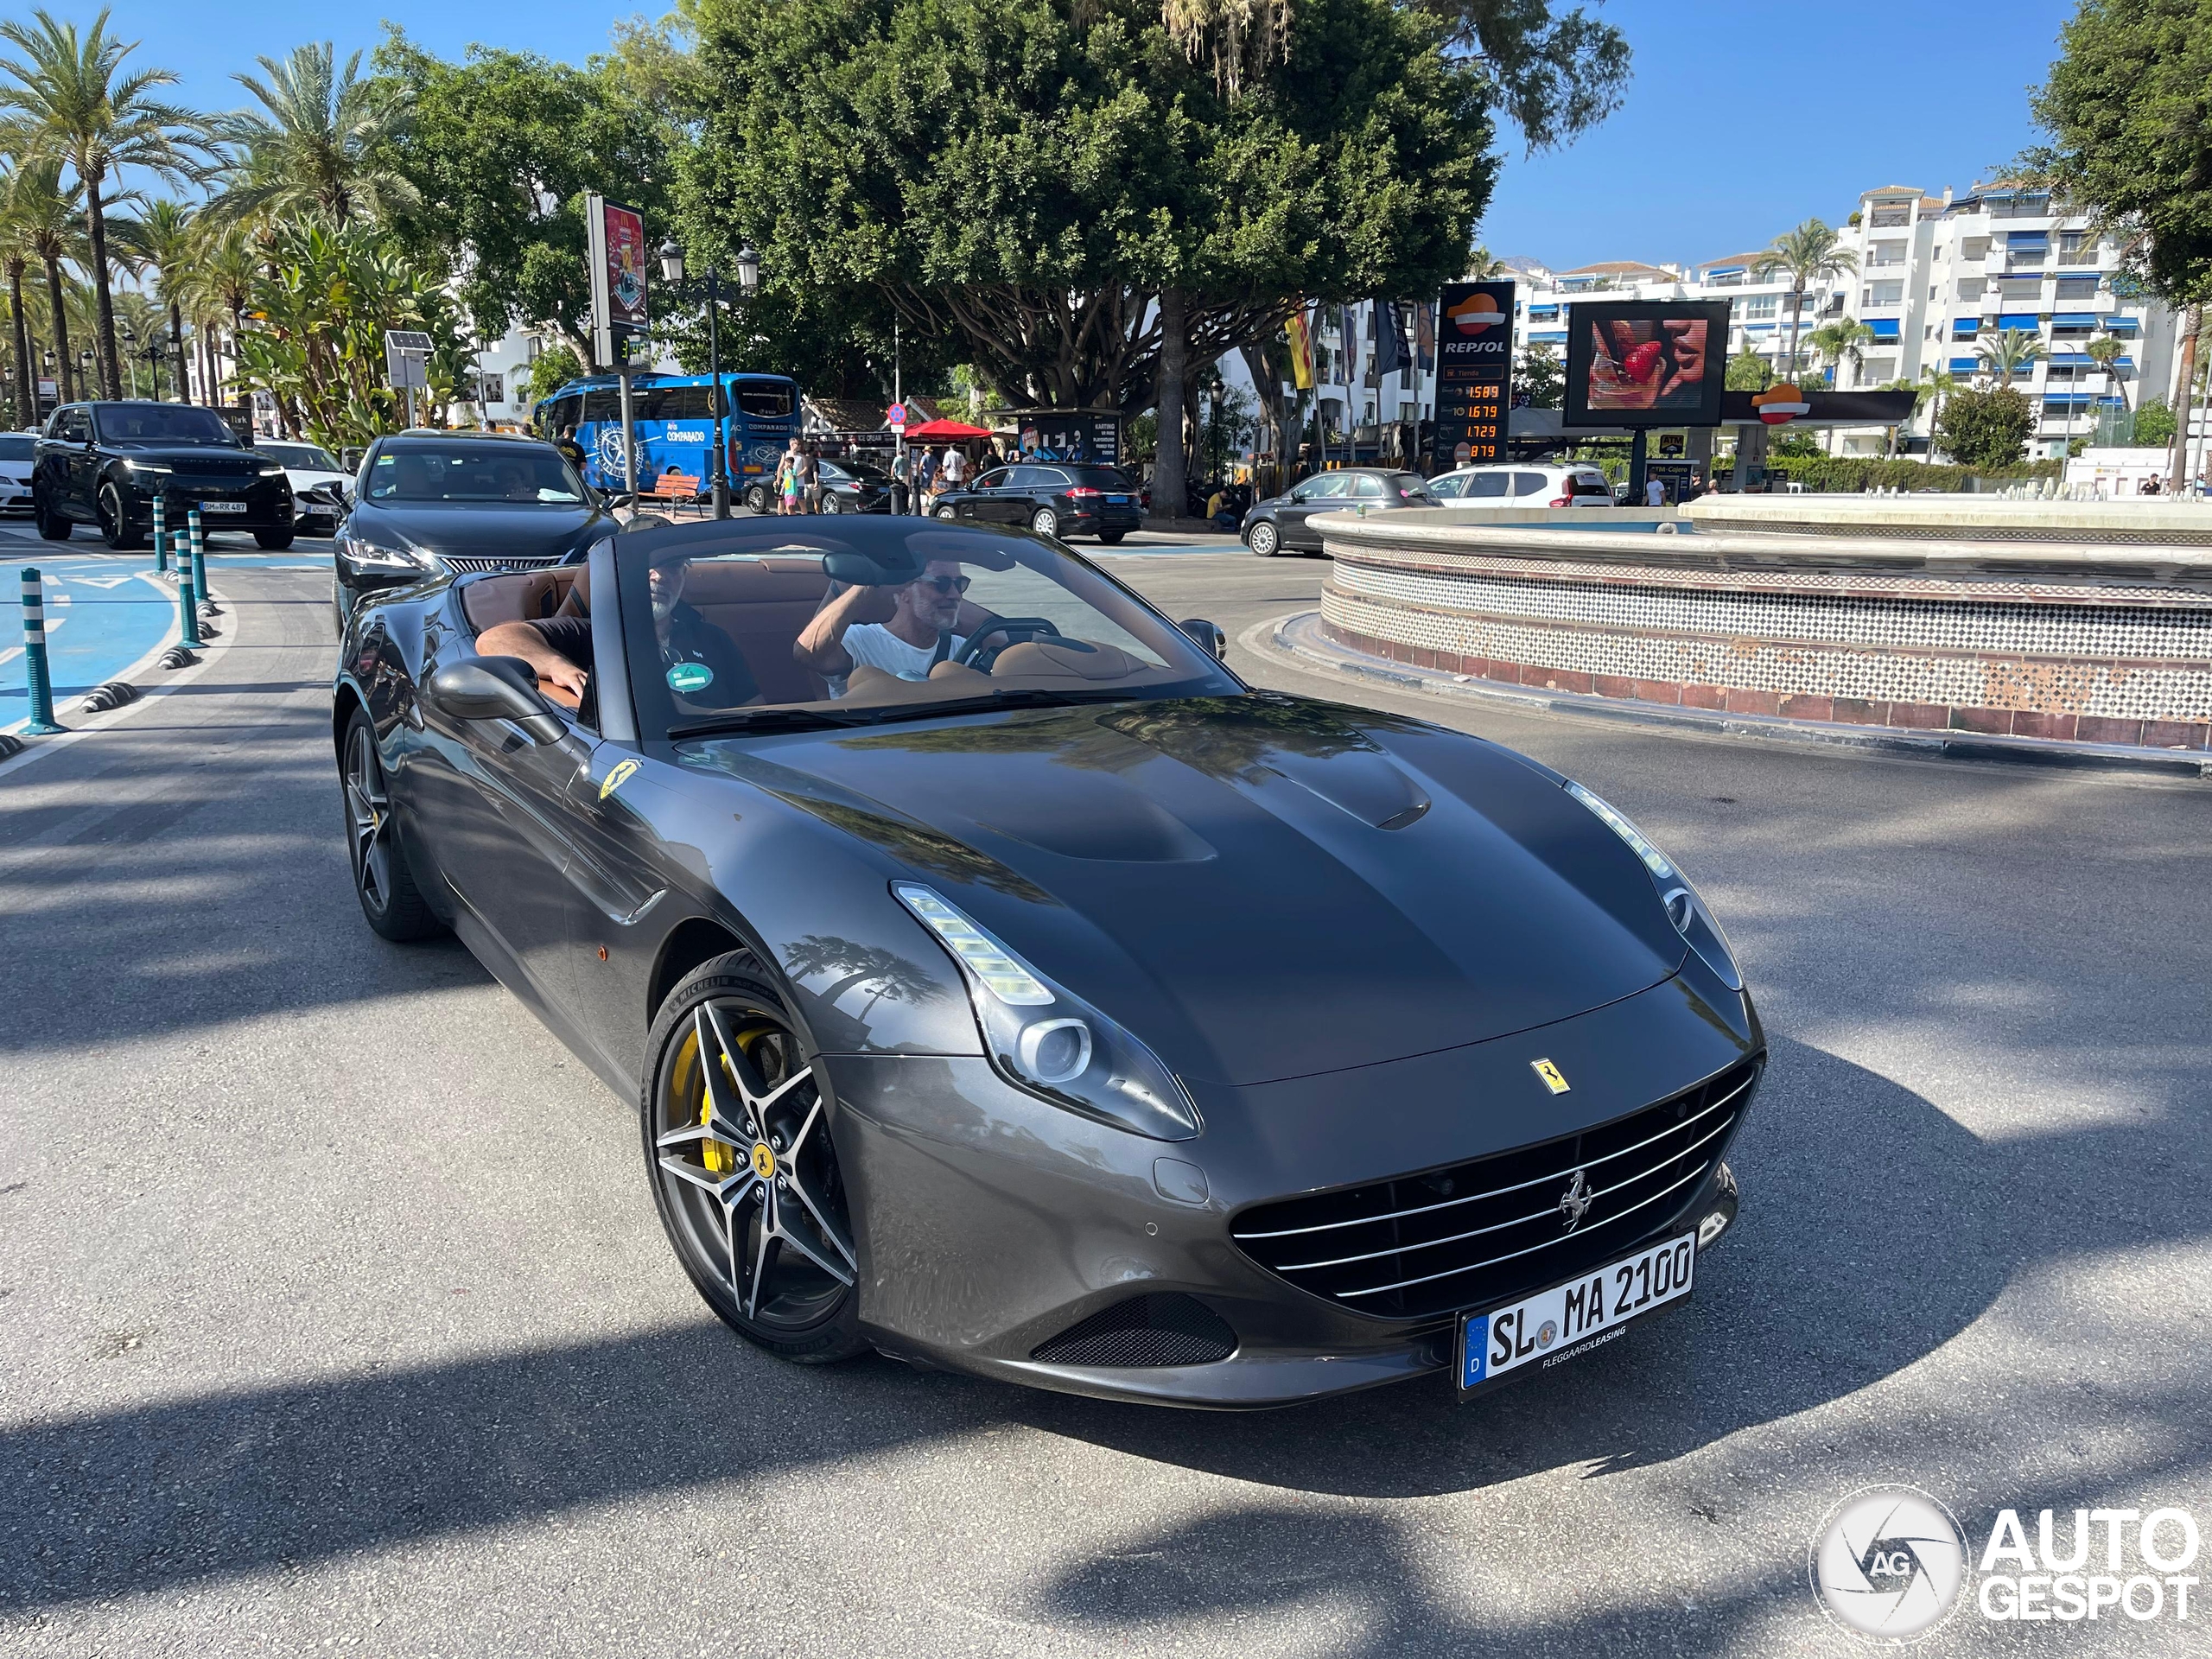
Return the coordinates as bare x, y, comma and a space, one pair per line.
1390, 344
1424, 335
1348, 331
1300, 333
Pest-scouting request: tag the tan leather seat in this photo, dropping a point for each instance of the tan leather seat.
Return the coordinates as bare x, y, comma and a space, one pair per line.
523, 596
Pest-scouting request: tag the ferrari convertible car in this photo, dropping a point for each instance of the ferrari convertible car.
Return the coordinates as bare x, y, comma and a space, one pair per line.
1005, 986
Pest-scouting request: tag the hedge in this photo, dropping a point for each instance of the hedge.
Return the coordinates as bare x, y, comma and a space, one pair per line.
1851, 474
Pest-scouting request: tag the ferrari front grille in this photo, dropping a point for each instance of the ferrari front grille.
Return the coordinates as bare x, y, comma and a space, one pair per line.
466, 565
1483, 1231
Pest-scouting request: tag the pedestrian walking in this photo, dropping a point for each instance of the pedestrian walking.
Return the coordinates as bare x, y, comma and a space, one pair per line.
902, 477
790, 481
927, 475
810, 476
571, 451
955, 468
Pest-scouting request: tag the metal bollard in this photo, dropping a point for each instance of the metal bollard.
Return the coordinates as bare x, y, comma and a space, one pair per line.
187, 614
41, 684
199, 553
161, 539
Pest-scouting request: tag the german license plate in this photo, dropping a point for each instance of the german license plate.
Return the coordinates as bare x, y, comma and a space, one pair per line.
222, 507
1568, 1320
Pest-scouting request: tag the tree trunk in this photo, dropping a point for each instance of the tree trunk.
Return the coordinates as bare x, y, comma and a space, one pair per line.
1797, 322
1267, 380
2192, 321
176, 340
1169, 476
26, 386
103, 342
61, 319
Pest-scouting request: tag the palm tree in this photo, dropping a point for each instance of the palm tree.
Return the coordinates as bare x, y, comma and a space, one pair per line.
71, 101
318, 141
15, 256
1484, 266
46, 223
1935, 386
2008, 351
2104, 351
165, 240
1841, 342
1811, 254
221, 285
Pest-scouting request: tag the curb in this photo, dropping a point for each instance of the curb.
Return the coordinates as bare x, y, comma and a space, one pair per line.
1299, 638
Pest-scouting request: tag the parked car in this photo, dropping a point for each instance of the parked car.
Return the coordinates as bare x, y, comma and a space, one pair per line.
852, 485
104, 463
1523, 485
1279, 524
319, 485
434, 503
1054, 498
18, 455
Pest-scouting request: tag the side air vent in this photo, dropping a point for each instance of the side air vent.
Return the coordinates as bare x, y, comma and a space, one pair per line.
1143, 1330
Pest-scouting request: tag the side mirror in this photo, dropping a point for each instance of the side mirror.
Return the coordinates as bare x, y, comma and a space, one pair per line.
495, 688
1209, 637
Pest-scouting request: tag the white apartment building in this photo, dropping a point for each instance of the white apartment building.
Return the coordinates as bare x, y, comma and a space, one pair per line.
1935, 277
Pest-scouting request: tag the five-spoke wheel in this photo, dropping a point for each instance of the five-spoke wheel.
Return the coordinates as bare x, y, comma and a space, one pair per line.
737, 1139
381, 880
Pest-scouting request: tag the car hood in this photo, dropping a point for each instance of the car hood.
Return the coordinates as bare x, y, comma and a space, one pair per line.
479, 529
310, 477
1262, 887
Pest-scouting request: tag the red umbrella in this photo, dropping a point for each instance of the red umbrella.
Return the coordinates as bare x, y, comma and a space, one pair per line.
945, 430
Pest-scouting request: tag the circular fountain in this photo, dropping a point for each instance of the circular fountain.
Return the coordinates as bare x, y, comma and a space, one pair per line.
2027, 622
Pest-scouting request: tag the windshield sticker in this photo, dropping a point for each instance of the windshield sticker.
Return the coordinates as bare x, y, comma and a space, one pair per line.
688, 677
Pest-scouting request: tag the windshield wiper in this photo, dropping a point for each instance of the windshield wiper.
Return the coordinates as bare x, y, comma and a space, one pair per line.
765, 720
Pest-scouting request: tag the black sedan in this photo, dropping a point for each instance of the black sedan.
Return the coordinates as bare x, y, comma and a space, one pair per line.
1280, 523
103, 464
1003, 985
436, 504
851, 484
1058, 498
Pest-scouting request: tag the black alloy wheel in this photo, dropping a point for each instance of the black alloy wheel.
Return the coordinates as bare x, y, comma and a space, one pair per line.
1265, 539
1044, 522
737, 1143
52, 526
948, 511
830, 504
116, 529
394, 906
756, 498
274, 541
1111, 538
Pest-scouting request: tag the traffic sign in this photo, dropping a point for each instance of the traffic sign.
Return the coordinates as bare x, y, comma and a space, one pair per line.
896, 415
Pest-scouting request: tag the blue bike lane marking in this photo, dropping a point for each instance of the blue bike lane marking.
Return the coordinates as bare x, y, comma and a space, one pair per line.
99, 621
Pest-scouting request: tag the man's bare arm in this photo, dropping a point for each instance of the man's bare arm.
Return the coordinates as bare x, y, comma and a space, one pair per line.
820, 645
520, 640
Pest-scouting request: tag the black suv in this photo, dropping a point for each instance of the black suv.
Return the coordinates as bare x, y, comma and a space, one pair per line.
1052, 498
103, 464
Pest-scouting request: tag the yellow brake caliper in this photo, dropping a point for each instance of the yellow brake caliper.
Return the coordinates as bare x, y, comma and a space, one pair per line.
719, 1159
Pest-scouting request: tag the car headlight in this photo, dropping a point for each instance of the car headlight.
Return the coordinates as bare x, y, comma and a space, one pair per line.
367, 555
272, 472
1049, 1041
1700, 930
142, 469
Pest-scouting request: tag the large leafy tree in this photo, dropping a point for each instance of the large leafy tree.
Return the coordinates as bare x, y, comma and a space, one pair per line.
1987, 429
501, 149
319, 142
1056, 190
67, 95
1811, 256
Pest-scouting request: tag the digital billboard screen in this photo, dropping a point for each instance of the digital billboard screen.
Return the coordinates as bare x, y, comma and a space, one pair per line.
1645, 362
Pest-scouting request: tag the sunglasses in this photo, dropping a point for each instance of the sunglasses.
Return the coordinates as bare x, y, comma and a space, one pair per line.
947, 584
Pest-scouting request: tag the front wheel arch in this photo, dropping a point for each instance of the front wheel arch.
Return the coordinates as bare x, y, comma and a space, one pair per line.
690, 943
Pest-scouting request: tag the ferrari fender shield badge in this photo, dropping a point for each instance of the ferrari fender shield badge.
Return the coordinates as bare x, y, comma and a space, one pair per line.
1552, 1078
620, 772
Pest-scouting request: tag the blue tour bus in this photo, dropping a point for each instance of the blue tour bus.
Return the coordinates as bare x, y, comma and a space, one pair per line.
676, 427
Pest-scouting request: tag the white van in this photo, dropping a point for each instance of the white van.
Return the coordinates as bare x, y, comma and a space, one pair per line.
1522, 486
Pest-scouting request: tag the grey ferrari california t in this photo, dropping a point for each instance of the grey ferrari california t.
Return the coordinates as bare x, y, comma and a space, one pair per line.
1004, 985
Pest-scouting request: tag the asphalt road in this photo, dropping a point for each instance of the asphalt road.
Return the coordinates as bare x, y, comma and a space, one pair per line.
333, 1312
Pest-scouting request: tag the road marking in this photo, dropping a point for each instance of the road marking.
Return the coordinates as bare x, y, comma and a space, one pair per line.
98, 581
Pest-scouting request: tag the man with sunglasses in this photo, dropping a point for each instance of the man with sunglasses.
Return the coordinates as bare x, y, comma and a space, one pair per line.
906, 631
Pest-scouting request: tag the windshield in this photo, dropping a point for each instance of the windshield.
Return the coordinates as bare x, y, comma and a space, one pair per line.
161, 423
518, 473
305, 457
17, 446
777, 628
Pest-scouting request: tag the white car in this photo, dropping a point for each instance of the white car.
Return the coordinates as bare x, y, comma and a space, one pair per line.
321, 489
17, 450
1522, 486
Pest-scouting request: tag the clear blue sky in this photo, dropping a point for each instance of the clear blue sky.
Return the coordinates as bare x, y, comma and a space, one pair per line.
1745, 116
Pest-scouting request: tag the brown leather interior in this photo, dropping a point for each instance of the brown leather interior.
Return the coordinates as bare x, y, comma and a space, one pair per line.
523, 596
762, 604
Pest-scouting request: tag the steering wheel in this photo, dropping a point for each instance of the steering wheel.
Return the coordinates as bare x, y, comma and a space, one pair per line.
973, 654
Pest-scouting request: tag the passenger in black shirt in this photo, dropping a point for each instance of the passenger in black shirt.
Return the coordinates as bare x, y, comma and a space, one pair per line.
702, 664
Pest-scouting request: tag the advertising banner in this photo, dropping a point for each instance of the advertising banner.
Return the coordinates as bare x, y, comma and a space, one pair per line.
617, 252
1391, 355
1474, 373
1645, 363
1300, 333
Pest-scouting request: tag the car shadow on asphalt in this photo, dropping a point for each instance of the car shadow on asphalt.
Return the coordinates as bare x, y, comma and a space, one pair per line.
1874, 1231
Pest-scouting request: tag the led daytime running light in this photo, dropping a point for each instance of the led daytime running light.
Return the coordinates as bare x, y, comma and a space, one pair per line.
1653, 859
998, 968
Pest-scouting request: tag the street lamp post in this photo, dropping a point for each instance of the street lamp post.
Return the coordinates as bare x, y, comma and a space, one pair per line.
84, 361
130, 356
748, 281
